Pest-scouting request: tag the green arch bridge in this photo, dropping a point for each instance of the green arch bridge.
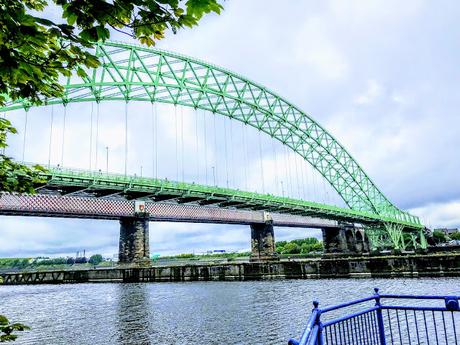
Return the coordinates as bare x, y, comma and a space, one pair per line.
135, 73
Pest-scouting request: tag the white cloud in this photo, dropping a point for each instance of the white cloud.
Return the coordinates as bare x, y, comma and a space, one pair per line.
373, 91
320, 53
440, 214
375, 12
27, 236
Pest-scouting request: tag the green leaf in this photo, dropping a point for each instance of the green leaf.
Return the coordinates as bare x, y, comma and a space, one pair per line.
102, 33
71, 19
81, 72
3, 320
147, 40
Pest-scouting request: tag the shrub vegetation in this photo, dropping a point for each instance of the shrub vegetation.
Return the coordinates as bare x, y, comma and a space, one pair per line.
300, 246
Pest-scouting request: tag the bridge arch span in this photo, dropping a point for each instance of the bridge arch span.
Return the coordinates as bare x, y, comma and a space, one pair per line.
135, 73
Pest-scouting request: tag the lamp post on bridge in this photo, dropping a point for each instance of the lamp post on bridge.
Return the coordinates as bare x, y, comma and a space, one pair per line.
214, 175
107, 160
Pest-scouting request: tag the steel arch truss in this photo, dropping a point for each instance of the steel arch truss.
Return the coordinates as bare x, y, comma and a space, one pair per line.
135, 73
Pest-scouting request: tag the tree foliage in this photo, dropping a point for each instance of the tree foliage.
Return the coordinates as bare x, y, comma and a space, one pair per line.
7, 329
14, 262
96, 259
300, 246
455, 236
15, 177
440, 237
35, 51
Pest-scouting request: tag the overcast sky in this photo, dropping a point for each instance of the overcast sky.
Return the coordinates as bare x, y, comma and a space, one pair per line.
381, 76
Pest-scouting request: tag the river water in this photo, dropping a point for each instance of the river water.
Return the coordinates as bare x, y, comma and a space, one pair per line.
261, 312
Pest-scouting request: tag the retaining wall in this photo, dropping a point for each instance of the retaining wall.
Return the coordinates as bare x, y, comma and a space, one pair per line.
389, 266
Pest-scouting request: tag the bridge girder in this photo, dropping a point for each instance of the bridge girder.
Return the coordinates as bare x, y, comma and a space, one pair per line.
103, 185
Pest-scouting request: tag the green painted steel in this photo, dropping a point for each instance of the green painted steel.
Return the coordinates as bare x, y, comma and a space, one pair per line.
68, 181
136, 73
390, 235
395, 233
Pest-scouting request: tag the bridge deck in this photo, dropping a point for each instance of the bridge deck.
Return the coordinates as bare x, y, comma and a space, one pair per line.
66, 182
98, 208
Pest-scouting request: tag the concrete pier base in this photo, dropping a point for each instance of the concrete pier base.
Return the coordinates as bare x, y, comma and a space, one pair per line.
334, 240
263, 243
134, 241
345, 240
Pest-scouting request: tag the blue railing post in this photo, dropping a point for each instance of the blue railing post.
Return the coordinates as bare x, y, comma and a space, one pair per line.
320, 334
379, 317
319, 339
311, 332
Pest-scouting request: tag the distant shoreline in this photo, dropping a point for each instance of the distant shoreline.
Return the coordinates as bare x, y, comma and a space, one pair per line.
415, 265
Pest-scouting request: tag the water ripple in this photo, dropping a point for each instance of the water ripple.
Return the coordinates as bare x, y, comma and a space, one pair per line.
264, 312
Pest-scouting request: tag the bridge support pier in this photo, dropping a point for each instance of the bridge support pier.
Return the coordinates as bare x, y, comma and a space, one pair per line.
345, 240
134, 240
263, 243
334, 240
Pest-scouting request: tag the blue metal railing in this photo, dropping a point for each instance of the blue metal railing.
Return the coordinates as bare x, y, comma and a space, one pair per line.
430, 320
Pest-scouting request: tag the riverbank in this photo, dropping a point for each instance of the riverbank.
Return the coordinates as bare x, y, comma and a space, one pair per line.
447, 265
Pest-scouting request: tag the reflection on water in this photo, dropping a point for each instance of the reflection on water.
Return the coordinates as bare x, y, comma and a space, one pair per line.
263, 312
134, 312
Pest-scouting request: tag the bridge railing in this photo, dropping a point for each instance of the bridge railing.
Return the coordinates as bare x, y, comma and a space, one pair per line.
411, 320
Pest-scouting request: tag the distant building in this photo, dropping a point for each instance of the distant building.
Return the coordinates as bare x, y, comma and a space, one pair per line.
41, 258
81, 260
447, 231
214, 251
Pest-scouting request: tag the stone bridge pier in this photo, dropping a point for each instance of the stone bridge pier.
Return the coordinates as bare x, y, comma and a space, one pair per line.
263, 243
134, 240
345, 240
